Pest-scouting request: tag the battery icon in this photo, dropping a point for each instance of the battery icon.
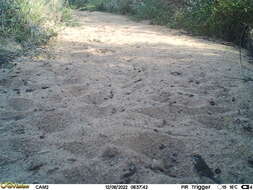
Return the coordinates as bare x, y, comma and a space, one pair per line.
245, 186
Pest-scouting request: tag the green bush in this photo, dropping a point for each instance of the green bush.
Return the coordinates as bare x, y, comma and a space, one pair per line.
155, 11
117, 6
78, 3
221, 18
31, 21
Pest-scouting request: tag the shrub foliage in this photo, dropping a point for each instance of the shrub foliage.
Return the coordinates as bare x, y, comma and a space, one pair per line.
225, 19
31, 21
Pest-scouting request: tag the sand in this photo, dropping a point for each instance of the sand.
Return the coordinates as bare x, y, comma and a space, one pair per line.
117, 101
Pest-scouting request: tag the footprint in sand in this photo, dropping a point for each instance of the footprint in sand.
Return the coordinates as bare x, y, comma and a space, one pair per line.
171, 153
5, 82
101, 51
162, 97
211, 122
54, 122
77, 90
95, 111
8, 116
88, 148
104, 51
80, 174
20, 104
98, 97
167, 112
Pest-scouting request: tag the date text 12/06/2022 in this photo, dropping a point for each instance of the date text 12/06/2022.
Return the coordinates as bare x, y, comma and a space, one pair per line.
126, 186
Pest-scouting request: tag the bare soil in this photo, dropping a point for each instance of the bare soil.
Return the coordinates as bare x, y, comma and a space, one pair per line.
116, 101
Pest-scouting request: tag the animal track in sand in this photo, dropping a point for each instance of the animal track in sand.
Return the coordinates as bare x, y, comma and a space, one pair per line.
54, 121
80, 174
20, 104
167, 112
95, 111
8, 116
162, 97
214, 122
5, 82
27, 147
100, 51
170, 151
139, 120
88, 148
77, 90
98, 97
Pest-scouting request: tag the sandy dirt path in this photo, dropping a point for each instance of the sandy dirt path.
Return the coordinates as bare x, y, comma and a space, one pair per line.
115, 101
